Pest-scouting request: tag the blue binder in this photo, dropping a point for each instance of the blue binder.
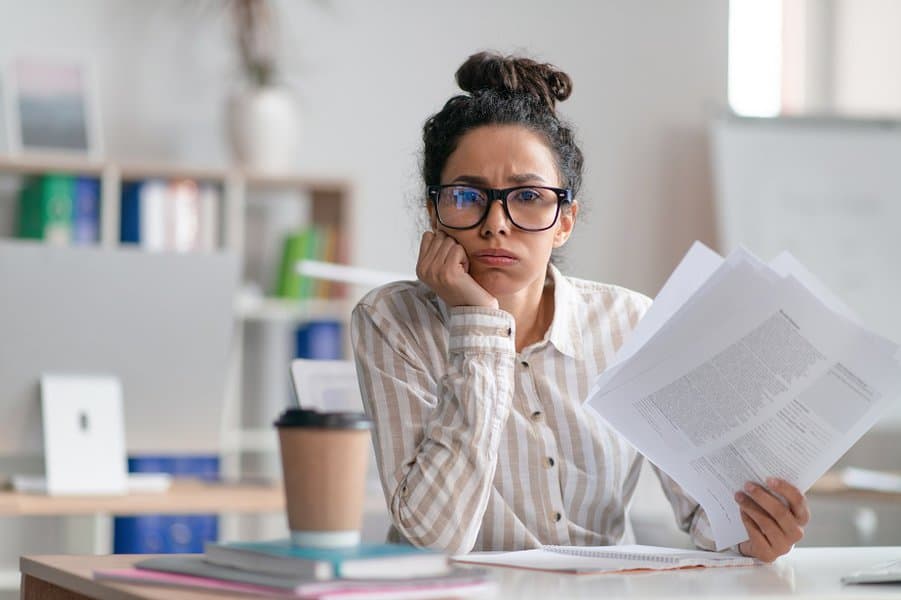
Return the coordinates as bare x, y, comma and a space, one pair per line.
86, 211
130, 213
319, 340
163, 534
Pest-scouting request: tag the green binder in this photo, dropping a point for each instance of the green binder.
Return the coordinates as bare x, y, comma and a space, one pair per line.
45, 208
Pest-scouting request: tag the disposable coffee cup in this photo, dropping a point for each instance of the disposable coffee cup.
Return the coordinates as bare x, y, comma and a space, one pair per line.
324, 460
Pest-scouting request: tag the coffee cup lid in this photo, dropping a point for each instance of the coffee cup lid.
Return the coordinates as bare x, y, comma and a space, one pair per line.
299, 417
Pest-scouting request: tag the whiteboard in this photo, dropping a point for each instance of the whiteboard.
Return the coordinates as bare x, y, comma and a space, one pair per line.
827, 190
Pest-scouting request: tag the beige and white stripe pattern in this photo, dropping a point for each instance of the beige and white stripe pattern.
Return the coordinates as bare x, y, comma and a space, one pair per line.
483, 448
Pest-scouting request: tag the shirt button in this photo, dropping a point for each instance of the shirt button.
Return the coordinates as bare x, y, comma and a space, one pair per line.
509, 331
550, 461
537, 416
557, 517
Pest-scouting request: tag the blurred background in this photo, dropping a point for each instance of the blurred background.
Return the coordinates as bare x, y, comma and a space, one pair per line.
287, 129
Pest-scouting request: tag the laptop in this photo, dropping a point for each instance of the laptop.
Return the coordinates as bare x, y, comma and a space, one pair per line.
886, 572
84, 424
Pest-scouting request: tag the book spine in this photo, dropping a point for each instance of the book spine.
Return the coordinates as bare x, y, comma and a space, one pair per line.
342, 256
311, 251
45, 209
86, 211
320, 340
329, 254
185, 210
156, 222
130, 213
290, 283
29, 218
210, 199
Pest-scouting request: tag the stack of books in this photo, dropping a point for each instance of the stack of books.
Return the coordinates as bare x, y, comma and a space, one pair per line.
315, 242
60, 209
179, 215
279, 569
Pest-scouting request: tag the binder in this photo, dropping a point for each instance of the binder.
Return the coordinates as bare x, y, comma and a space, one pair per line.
165, 534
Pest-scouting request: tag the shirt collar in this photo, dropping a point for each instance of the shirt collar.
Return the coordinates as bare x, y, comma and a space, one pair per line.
565, 331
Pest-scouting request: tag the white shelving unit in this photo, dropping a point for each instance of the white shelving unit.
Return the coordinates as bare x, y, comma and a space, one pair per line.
328, 205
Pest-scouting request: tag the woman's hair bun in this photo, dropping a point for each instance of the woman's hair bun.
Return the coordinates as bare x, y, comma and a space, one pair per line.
491, 71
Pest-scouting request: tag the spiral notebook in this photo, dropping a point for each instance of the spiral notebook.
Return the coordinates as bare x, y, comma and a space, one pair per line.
586, 560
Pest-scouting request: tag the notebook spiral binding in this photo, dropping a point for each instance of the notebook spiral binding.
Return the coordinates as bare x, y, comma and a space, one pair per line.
569, 550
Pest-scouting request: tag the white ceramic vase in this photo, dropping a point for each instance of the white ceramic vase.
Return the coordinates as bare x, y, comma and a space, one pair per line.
264, 127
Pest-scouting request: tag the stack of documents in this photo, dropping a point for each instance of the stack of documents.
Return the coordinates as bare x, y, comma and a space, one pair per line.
742, 371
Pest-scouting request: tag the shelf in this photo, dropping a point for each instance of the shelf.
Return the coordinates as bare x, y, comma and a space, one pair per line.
832, 486
130, 170
146, 170
322, 185
256, 308
325, 197
29, 165
184, 497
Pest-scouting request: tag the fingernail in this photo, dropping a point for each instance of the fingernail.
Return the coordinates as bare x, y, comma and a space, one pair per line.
739, 497
772, 482
750, 486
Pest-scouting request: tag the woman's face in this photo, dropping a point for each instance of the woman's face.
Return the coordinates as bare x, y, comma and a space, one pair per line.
504, 156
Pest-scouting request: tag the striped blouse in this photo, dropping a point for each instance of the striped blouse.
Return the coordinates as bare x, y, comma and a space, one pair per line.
481, 447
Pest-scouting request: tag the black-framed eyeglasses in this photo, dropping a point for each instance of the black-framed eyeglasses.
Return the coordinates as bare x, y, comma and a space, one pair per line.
529, 207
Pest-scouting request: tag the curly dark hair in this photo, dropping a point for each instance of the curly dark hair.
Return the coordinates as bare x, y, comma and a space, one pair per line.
504, 91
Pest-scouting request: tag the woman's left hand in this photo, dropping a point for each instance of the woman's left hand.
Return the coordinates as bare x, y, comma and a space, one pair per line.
773, 526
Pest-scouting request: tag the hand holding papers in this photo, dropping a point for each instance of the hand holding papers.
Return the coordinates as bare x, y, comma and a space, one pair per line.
742, 371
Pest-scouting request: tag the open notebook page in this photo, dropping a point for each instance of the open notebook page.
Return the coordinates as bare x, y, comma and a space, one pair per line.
605, 559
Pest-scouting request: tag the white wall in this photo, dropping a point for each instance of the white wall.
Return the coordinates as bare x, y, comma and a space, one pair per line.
646, 74
842, 56
867, 58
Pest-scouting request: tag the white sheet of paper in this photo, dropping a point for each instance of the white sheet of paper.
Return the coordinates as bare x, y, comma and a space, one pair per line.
753, 376
733, 284
786, 264
690, 274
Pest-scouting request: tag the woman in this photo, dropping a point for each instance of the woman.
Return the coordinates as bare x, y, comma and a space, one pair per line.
475, 374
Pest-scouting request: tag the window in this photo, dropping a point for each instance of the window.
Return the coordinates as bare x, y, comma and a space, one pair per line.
755, 57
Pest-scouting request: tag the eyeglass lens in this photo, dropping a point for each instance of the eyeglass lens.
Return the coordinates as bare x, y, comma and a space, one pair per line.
529, 207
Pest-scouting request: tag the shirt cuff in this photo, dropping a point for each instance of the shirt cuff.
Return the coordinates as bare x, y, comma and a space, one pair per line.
478, 329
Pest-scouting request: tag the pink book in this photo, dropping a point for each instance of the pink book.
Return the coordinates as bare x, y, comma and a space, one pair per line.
335, 592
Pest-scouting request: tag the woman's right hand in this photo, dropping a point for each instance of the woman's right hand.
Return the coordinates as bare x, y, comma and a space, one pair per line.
444, 267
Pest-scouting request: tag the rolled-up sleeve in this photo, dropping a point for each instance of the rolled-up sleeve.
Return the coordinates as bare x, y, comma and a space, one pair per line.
690, 517
436, 432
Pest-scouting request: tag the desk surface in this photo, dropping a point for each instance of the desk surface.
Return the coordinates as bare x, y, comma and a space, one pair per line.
806, 572
831, 486
188, 496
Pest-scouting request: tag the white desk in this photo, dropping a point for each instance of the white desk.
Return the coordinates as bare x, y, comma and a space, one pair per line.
806, 572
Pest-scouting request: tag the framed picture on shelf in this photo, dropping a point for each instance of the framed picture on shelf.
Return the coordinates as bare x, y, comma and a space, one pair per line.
52, 106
